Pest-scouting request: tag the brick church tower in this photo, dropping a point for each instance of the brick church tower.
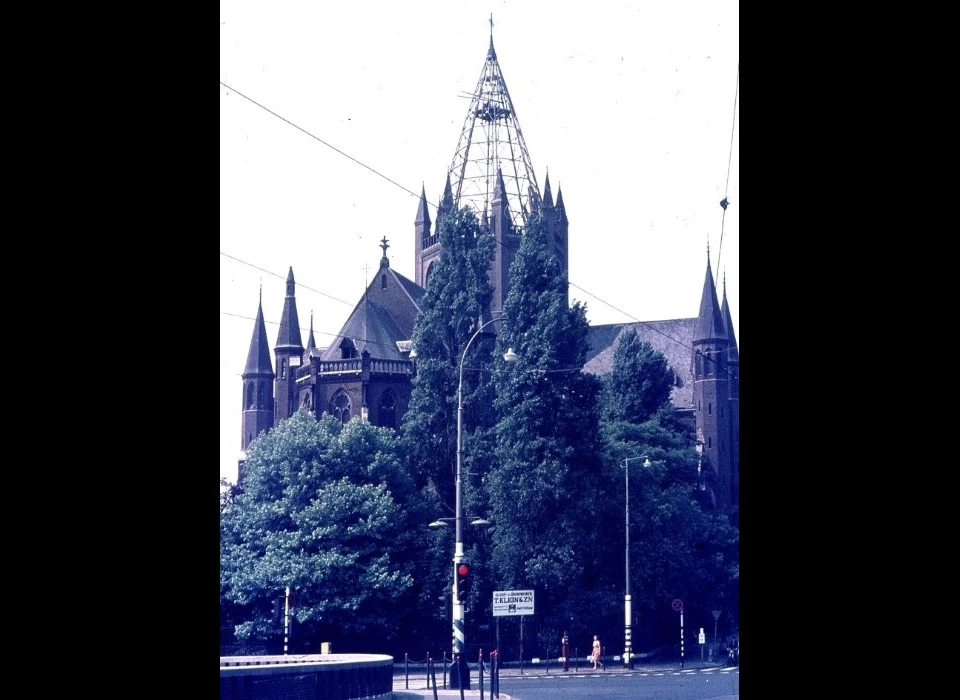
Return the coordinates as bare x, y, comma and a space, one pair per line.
716, 397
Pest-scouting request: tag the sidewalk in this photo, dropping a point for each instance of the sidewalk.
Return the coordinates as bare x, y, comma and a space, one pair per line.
418, 689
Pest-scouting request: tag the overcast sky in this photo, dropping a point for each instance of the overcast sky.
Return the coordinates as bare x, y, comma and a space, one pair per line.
334, 115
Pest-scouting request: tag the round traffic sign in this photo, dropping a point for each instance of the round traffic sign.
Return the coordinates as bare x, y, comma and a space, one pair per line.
677, 604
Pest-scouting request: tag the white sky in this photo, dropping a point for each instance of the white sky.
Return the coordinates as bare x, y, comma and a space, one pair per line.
632, 107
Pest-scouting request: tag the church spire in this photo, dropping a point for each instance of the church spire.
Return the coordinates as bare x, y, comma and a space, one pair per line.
289, 335
258, 356
423, 213
733, 353
547, 195
311, 343
492, 143
289, 354
710, 323
257, 412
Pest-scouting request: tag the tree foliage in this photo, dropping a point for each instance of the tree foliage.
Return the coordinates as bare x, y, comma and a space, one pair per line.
542, 490
339, 512
457, 295
680, 548
639, 383
328, 510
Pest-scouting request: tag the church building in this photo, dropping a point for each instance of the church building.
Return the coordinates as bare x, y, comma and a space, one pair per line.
367, 370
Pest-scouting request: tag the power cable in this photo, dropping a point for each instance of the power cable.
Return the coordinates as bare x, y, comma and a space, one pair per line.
726, 188
499, 242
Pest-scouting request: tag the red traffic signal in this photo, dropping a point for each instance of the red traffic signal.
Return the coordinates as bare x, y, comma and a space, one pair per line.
463, 581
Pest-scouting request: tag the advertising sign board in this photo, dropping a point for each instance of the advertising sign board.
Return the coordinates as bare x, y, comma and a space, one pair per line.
512, 603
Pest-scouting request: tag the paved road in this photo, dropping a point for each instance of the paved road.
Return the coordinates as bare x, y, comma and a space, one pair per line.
415, 686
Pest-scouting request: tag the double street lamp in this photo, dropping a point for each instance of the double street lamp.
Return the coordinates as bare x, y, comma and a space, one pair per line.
458, 608
627, 600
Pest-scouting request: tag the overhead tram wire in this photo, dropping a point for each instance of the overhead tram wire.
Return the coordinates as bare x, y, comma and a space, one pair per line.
726, 188
283, 277
436, 207
317, 138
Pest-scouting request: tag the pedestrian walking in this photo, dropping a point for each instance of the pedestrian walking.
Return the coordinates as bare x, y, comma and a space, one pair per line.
596, 653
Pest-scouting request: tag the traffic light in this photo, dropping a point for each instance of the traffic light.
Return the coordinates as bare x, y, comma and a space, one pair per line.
277, 608
463, 581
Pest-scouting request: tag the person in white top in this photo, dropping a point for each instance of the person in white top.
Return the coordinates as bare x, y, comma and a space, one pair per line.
596, 652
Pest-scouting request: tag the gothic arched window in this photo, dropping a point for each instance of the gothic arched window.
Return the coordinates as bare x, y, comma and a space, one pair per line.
387, 411
251, 396
340, 406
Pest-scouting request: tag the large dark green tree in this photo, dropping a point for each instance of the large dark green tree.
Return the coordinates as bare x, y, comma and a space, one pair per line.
680, 546
639, 383
457, 295
452, 309
544, 489
329, 510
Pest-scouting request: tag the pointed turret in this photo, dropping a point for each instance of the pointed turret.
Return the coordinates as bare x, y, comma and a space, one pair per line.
733, 352
507, 239
311, 342
555, 220
424, 238
710, 323
712, 398
289, 353
501, 202
289, 335
562, 211
733, 372
547, 196
257, 399
258, 357
423, 213
447, 204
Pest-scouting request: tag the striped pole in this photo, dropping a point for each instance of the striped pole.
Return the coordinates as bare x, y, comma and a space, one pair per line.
286, 620
458, 635
681, 637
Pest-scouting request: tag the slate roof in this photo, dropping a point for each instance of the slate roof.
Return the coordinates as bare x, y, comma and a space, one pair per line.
371, 328
673, 338
376, 327
289, 333
258, 355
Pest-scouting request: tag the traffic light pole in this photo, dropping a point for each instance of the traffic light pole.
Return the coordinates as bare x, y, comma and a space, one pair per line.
458, 633
459, 642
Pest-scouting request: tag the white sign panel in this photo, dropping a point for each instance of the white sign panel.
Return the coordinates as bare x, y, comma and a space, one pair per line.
512, 603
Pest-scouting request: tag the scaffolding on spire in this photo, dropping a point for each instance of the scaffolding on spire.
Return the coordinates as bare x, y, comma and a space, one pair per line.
491, 140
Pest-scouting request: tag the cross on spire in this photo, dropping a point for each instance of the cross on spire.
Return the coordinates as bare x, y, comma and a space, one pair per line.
384, 245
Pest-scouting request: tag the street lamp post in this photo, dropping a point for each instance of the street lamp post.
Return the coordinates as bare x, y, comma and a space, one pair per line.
627, 600
458, 626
